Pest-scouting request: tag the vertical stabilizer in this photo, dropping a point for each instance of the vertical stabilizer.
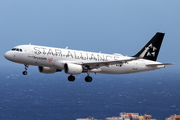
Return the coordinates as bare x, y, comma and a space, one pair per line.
151, 49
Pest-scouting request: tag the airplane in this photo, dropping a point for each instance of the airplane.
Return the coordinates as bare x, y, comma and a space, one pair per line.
50, 60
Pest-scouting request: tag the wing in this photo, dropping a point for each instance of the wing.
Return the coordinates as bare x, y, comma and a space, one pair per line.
93, 65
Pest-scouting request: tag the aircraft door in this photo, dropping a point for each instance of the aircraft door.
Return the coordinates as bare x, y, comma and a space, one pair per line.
30, 51
31, 56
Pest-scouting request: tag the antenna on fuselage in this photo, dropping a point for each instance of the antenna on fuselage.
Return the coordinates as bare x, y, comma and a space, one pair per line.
29, 43
66, 47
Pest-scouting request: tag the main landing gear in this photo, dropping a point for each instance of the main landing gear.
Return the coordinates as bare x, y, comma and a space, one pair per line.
71, 78
26, 67
87, 78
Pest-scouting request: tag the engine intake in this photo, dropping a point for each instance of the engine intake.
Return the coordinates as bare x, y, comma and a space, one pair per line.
72, 69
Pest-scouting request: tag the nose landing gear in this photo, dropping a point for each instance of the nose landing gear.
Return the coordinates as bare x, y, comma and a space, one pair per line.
24, 72
26, 67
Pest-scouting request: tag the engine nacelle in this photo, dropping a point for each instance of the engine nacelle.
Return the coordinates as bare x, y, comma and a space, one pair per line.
47, 70
72, 69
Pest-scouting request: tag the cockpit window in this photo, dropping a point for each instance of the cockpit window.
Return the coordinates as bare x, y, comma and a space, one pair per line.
16, 49
13, 49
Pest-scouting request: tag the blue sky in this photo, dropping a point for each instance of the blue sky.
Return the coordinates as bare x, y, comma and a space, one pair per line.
92, 25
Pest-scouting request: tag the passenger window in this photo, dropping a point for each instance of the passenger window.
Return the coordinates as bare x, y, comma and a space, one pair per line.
17, 49
20, 50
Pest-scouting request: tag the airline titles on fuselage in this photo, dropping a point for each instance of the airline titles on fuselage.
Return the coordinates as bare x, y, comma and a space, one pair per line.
38, 58
73, 54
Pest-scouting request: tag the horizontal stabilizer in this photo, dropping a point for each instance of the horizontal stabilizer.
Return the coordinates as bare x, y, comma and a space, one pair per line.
160, 64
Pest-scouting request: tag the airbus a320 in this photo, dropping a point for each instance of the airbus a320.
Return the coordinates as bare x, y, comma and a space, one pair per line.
51, 60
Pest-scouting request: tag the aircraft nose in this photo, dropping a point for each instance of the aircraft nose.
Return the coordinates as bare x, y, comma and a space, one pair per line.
7, 55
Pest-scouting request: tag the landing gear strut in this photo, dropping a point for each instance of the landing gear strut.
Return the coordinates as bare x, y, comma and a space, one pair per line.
26, 67
71, 78
88, 78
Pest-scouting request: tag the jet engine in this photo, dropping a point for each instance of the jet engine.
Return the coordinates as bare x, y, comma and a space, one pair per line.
72, 69
48, 70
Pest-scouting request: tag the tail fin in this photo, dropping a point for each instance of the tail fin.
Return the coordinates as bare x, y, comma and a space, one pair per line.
151, 49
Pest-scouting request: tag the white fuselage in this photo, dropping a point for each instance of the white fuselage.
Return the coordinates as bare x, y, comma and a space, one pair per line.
57, 57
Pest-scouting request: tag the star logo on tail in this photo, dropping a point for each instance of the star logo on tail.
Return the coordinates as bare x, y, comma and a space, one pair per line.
151, 50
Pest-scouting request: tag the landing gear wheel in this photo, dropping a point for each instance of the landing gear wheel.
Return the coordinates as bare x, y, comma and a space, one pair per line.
24, 72
71, 78
26, 67
88, 79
